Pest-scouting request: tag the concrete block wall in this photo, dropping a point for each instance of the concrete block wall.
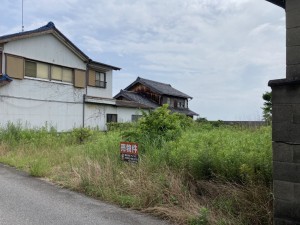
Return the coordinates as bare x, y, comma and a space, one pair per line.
286, 126
293, 39
286, 151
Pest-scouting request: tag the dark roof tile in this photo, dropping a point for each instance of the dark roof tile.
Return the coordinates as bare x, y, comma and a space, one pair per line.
133, 96
131, 104
49, 26
140, 99
185, 111
161, 88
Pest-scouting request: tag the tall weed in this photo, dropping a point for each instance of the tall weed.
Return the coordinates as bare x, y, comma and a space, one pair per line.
224, 170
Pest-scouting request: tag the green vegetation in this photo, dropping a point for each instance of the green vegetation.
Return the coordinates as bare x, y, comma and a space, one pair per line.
189, 172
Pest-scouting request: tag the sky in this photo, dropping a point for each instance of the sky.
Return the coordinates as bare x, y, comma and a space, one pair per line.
220, 52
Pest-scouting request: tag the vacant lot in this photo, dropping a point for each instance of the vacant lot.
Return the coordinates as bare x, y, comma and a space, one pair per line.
190, 173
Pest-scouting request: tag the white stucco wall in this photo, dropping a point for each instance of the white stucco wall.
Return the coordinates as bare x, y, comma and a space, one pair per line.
45, 48
124, 114
35, 103
36, 114
43, 90
95, 115
102, 92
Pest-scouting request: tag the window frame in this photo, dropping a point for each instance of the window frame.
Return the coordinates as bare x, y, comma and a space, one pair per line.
26, 68
111, 118
50, 72
181, 104
98, 82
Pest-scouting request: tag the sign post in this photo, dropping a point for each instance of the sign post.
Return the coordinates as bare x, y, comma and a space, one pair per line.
129, 151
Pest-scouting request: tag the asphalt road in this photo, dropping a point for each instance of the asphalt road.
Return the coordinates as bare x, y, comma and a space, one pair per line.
25, 200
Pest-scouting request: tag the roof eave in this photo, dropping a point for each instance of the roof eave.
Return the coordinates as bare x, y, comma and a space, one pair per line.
19, 37
131, 104
122, 94
99, 65
55, 32
280, 3
180, 96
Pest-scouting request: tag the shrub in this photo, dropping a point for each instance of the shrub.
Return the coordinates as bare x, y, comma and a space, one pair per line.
82, 134
157, 127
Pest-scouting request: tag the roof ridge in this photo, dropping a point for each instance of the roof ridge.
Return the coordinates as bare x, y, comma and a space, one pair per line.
50, 25
50, 28
159, 87
140, 78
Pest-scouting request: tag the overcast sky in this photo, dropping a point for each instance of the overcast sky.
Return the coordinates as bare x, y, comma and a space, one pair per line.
220, 52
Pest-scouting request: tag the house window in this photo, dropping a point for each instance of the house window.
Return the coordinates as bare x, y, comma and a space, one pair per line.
38, 70
175, 104
61, 74
168, 101
45, 71
30, 69
111, 118
100, 80
181, 104
135, 118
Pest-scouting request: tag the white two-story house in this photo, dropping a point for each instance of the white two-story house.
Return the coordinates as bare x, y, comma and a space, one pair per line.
46, 80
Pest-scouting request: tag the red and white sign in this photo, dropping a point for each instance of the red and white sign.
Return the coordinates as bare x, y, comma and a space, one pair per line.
129, 151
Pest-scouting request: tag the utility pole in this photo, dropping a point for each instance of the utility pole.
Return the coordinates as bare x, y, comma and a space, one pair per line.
22, 15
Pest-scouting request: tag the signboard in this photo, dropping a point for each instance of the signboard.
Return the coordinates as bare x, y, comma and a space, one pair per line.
129, 151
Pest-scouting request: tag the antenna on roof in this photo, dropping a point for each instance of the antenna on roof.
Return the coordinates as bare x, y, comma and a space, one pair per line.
22, 17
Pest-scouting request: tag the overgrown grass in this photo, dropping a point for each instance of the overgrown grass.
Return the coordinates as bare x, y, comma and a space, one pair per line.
206, 175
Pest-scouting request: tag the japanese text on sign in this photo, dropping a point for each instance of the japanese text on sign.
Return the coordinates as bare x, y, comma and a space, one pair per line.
129, 151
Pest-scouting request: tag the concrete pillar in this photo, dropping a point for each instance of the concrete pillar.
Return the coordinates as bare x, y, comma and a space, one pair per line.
286, 124
293, 39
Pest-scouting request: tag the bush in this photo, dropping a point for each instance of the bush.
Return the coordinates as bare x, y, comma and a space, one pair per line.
82, 134
158, 127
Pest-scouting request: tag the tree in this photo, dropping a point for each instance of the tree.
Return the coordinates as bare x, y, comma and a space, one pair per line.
267, 109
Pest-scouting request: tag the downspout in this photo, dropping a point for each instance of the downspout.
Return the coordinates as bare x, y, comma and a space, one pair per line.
83, 110
84, 95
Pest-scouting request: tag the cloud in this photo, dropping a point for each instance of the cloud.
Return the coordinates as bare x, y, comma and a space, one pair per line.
220, 52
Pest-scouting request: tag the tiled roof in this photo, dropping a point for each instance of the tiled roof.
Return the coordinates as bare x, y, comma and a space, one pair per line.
136, 97
161, 88
50, 28
4, 79
185, 111
94, 64
140, 99
131, 104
